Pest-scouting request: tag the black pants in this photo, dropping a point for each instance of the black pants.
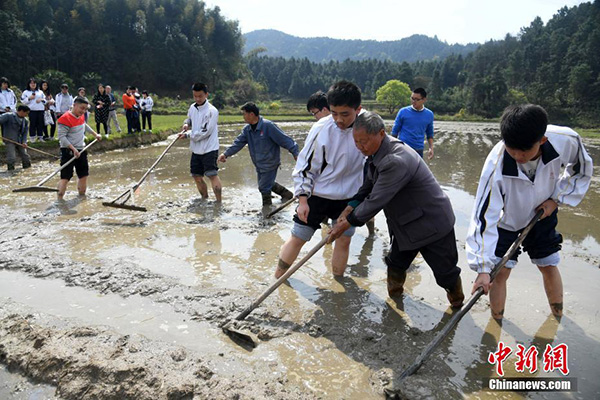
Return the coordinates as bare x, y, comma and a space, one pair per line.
36, 123
130, 115
441, 256
147, 116
99, 124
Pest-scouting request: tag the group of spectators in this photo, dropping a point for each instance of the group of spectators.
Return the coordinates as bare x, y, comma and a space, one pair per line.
44, 109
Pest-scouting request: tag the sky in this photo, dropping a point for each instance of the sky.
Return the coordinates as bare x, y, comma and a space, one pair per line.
453, 21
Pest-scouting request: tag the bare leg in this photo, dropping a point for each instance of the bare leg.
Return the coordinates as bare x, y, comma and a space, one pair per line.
62, 188
288, 254
554, 288
216, 186
498, 293
201, 186
339, 260
82, 185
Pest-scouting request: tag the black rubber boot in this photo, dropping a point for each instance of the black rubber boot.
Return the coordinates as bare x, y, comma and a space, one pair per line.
455, 295
282, 191
26, 164
395, 282
10, 167
266, 198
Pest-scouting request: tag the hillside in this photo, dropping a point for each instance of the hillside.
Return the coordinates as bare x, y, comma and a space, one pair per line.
322, 49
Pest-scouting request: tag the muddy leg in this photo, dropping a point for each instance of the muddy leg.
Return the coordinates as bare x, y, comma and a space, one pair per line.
82, 185
215, 182
554, 288
62, 188
498, 293
339, 261
201, 186
288, 254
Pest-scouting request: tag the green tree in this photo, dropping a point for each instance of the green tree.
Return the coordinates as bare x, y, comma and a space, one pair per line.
393, 94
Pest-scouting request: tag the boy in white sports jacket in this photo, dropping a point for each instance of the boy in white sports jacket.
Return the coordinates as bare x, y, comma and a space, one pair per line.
328, 173
522, 174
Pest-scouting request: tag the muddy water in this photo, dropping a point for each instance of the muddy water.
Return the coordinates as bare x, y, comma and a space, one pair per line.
331, 338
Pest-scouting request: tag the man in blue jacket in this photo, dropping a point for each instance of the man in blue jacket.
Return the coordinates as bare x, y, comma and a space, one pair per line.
14, 127
264, 140
414, 122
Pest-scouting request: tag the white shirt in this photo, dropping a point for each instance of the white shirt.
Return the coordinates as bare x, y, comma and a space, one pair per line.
63, 103
8, 99
33, 104
507, 198
147, 104
329, 165
203, 120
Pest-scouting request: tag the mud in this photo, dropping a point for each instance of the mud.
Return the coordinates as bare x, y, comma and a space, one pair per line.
82, 285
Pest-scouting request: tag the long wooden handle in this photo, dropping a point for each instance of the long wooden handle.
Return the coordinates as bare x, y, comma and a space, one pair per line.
139, 183
471, 302
46, 179
282, 279
281, 207
29, 147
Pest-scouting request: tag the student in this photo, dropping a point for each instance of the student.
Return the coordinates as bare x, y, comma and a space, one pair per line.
34, 98
329, 171
204, 140
264, 140
63, 100
14, 127
71, 134
129, 105
418, 213
317, 105
414, 122
522, 174
147, 104
8, 100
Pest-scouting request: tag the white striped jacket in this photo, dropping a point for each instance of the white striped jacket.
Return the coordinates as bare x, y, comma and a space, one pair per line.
507, 198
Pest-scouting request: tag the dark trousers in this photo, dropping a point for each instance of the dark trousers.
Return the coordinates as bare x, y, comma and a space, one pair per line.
147, 116
130, 115
36, 123
104, 124
441, 256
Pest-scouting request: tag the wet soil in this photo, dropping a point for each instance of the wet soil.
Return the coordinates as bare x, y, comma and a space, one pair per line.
100, 302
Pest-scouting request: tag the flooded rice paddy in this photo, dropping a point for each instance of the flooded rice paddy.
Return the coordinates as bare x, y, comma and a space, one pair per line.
99, 302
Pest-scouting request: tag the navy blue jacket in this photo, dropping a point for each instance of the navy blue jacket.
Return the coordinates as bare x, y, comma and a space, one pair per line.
264, 143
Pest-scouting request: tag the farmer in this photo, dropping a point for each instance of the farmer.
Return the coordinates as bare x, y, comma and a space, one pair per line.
328, 173
264, 140
14, 127
522, 174
71, 134
418, 213
204, 141
415, 122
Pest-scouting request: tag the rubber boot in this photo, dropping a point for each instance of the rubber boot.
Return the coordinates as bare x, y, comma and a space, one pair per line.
282, 191
266, 199
455, 295
395, 282
26, 164
10, 167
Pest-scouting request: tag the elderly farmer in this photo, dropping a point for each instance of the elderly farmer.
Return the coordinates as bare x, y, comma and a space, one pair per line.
419, 214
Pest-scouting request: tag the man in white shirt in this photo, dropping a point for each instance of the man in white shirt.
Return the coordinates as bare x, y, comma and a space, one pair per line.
204, 141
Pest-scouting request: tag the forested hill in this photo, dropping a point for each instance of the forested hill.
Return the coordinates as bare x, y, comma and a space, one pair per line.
164, 45
556, 65
323, 49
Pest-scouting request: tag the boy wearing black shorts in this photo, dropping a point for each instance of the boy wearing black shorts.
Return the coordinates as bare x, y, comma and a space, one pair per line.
328, 173
535, 166
71, 134
204, 141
